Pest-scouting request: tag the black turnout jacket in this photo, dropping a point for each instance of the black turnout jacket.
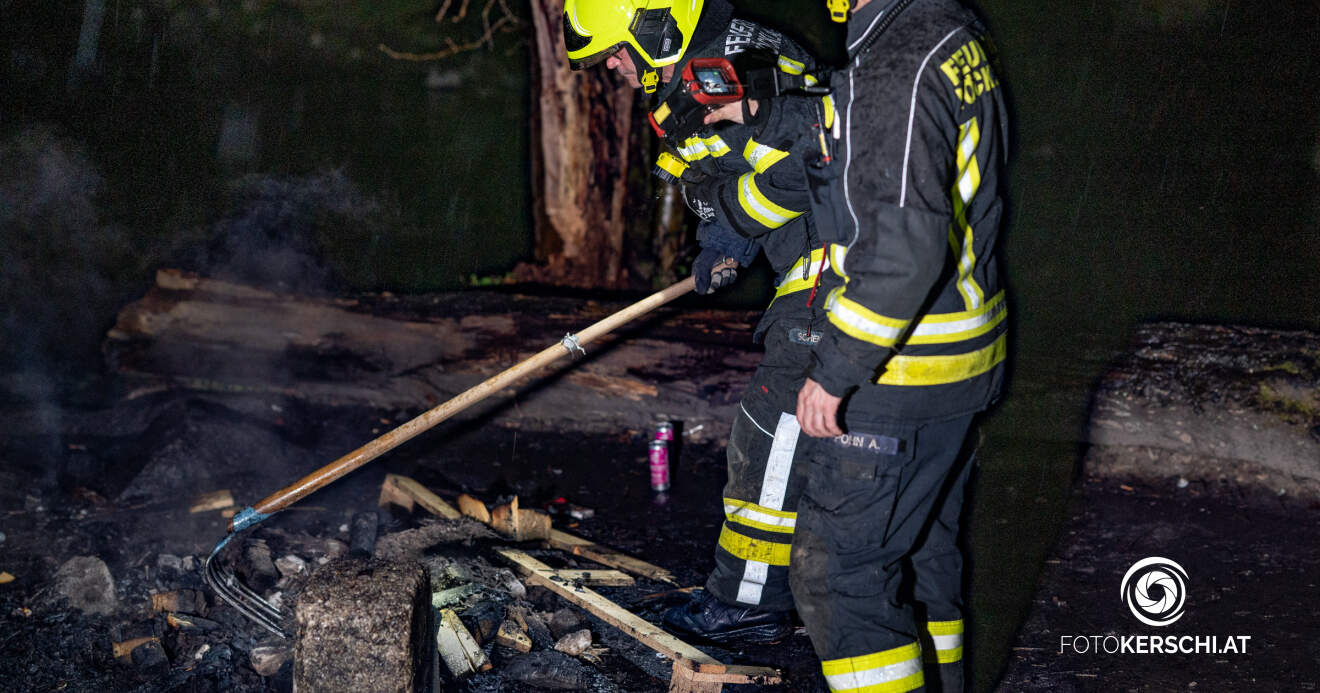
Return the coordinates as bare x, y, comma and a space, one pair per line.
910, 204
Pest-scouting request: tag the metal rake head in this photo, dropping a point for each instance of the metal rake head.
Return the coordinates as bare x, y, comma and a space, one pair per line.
252, 605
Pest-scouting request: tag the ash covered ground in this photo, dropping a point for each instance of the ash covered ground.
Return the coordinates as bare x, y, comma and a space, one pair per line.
114, 483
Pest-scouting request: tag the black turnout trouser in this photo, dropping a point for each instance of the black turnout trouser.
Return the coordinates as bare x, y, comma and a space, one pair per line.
765, 477
882, 500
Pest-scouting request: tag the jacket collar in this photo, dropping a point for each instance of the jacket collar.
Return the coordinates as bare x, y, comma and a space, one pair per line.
863, 21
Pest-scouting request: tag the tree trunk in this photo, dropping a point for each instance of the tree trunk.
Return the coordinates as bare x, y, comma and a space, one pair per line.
580, 163
89, 38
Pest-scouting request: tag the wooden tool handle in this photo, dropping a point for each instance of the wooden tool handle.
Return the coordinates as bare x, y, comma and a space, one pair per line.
305, 486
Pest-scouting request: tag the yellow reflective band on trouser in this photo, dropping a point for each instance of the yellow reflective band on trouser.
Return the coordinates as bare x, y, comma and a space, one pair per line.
890, 671
752, 515
803, 274
859, 322
759, 207
946, 328
761, 156
948, 639
791, 66
749, 549
943, 369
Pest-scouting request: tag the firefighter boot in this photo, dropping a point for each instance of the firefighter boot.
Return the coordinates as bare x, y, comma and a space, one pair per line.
706, 618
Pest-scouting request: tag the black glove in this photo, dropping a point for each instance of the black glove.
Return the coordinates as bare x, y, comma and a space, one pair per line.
724, 239
701, 199
708, 277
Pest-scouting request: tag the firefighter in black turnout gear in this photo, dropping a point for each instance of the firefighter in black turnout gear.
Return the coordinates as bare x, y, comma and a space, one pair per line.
910, 205
744, 179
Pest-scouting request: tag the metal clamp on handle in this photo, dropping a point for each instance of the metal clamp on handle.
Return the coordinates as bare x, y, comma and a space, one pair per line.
570, 342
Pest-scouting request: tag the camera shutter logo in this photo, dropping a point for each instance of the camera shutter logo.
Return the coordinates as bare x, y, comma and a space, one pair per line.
1155, 589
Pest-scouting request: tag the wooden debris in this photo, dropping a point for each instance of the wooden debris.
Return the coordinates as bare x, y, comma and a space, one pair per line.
474, 509
124, 650
484, 619
530, 522
215, 500
403, 491
596, 578
6, 578
444, 598
458, 649
649, 634
189, 622
137, 644
511, 636
522, 525
537, 629
186, 601
607, 556
392, 494
685, 680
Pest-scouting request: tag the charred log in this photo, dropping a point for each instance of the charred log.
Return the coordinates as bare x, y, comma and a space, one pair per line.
396, 353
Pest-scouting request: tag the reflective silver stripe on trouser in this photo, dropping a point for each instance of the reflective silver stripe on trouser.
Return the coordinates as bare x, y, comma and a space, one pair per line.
774, 486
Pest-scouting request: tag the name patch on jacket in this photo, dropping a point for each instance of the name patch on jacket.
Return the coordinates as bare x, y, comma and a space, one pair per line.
797, 335
880, 445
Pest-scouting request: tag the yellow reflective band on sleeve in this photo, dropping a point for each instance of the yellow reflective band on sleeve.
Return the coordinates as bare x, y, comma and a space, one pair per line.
693, 149
717, 146
761, 156
752, 515
968, 182
889, 671
697, 148
942, 369
946, 328
837, 254
948, 639
803, 274
759, 207
860, 322
749, 549
791, 66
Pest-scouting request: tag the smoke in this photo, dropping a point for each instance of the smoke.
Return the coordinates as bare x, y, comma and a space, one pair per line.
55, 282
68, 270
281, 231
